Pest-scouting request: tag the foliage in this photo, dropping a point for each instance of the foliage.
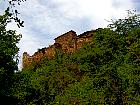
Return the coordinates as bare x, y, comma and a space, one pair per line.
41, 86
8, 48
107, 73
103, 72
8, 55
78, 93
13, 12
123, 25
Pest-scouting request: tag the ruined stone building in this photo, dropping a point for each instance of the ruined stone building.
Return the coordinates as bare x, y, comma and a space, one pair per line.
67, 43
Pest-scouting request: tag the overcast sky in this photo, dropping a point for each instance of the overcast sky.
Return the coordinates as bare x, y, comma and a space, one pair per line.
47, 19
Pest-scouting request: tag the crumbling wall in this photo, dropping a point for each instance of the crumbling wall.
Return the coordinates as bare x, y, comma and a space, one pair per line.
26, 60
50, 52
84, 38
67, 43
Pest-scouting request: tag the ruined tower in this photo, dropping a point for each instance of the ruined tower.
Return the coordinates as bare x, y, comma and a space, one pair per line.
26, 60
67, 43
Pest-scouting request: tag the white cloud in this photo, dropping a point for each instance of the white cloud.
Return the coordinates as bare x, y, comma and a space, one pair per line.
96, 10
60, 15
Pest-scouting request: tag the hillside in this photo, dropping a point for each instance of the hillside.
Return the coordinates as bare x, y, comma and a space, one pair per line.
104, 71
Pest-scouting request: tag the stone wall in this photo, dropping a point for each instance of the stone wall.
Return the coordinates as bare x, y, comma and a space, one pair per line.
84, 38
26, 60
68, 43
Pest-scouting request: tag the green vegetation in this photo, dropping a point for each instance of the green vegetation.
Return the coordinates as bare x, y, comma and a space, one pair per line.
104, 72
8, 56
8, 53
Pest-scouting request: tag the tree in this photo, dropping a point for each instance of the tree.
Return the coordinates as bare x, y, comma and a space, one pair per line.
124, 25
8, 51
13, 12
129, 33
8, 54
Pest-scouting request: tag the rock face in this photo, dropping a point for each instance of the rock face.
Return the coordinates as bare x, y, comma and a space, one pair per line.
67, 43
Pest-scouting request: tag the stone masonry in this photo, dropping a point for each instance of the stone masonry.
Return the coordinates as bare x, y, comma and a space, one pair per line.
67, 43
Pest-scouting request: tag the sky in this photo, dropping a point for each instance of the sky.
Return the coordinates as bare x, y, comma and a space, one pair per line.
47, 19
